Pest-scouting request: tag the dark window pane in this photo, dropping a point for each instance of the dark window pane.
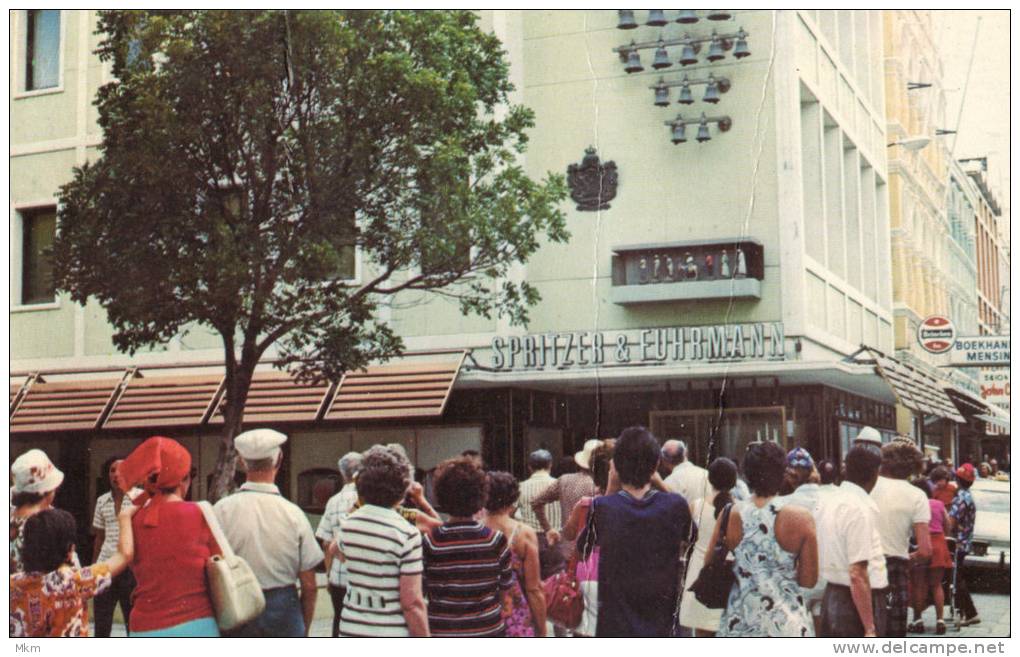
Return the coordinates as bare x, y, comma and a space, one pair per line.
42, 49
37, 275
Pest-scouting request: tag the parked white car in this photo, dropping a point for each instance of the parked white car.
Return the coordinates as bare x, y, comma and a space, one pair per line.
990, 547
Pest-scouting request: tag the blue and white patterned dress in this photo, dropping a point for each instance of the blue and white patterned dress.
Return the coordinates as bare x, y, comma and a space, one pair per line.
766, 599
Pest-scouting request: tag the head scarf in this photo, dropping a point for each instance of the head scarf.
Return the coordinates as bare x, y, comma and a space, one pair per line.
164, 457
965, 472
800, 458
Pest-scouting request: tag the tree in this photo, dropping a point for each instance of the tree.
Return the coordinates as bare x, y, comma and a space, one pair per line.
246, 154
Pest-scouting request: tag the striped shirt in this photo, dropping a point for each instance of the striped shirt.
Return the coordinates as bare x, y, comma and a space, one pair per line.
531, 488
379, 546
105, 519
337, 509
467, 565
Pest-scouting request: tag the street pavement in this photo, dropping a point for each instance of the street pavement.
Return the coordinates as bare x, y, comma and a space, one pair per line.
993, 608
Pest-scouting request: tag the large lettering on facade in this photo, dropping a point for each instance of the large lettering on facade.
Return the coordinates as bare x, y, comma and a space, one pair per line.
677, 344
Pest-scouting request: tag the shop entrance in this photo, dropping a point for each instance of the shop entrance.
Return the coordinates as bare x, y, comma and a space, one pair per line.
735, 428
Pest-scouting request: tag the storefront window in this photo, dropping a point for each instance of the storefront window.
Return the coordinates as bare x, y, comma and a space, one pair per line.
734, 429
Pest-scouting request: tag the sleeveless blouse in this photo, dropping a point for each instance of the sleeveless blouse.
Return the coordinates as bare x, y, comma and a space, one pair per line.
519, 623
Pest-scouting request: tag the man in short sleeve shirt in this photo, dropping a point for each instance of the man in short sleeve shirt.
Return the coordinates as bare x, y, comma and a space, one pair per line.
274, 537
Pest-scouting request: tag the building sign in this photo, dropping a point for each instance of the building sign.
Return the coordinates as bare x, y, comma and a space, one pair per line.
681, 344
995, 392
936, 334
980, 351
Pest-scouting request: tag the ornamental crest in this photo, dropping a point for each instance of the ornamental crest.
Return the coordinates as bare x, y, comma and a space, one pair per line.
592, 183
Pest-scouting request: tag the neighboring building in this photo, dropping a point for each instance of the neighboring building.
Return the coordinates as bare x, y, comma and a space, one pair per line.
726, 293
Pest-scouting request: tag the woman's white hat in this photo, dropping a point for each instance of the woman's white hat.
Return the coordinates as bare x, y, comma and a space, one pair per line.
34, 472
583, 458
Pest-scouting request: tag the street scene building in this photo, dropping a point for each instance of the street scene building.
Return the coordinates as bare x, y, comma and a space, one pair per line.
758, 238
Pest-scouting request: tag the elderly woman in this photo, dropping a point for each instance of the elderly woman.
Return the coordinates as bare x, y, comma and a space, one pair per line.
36, 481
337, 509
173, 543
468, 567
383, 554
776, 554
527, 600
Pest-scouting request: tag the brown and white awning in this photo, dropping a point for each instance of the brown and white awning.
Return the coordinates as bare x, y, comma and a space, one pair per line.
914, 388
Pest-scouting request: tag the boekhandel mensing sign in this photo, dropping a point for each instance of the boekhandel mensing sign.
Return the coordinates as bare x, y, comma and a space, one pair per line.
980, 351
578, 349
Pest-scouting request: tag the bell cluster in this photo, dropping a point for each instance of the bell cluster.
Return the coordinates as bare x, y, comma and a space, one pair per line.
688, 47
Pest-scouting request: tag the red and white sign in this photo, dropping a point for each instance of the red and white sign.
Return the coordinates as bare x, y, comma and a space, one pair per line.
936, 334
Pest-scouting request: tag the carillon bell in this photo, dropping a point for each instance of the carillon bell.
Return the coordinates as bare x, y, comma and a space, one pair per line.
703, 134
686, 98
661, 57
633, 62
688, 56
626, 21
719, 15
679, 133
740, 50
715, 51
711, 91
687, 16
661, 94
656, 18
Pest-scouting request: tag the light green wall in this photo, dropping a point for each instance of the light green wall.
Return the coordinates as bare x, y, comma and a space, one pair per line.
43, 333
38, 177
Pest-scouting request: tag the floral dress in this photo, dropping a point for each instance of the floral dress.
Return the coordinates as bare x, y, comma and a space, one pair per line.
519, 623
55, 604
766, 599
17, 536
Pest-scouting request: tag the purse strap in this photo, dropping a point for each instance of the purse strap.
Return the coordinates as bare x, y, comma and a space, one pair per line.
217, 531
725, 520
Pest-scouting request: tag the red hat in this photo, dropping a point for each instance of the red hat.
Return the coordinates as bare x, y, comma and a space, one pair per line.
164, 457
966, 472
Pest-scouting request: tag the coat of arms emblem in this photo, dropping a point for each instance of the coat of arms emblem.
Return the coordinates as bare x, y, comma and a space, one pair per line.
592, 183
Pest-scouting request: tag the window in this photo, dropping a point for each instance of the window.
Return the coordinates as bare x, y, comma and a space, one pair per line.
42, 49
39, 228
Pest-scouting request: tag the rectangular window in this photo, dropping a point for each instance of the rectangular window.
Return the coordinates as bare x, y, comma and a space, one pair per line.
39, 229
42, 49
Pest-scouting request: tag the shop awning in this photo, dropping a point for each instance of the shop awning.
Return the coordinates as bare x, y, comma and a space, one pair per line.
971, 404
914, 388
403, 390
997, 420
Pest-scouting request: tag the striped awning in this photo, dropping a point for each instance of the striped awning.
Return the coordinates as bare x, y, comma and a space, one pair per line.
916, 389
405, 390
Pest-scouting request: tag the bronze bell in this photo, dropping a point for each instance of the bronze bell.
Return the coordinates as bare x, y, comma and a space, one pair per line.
687, 16
740, 50
711, 91
661, 57
627, 21
688, 56
719, 15
703, 134
633, 62
679, 133
715, 51
656, 18
661, 94
685, 94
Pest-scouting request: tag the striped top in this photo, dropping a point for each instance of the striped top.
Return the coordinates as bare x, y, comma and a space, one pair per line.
379, 546
467, 566
531, 488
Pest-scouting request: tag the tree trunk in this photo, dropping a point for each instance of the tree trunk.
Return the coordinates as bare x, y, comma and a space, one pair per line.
238, 383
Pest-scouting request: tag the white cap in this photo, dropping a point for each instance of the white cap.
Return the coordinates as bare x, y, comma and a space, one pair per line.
35, 473
869, 435
259, 444
583, 458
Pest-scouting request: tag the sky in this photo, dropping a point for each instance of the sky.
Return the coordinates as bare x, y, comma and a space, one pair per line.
984, 123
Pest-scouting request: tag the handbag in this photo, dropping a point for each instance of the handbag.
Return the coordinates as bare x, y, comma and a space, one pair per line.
716, 579
564, 604
234, 590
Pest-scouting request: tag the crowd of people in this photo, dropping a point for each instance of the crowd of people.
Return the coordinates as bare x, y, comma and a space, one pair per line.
815, 548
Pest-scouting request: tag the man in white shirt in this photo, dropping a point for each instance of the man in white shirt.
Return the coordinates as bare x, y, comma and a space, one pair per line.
107, 531
337, 509
852, 562
274, 537
902, 509
539, 463
687, 479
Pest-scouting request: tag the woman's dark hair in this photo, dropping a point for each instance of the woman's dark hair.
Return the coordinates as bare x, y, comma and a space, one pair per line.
49, 535
461, 486
828, 472
722, 474
636, 456
939, 473
924, 486
963, 483
601, 457
26, 499
503, 491
764, 467
384, 477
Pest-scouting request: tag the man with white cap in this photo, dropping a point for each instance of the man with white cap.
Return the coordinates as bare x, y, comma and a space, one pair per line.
36, 481
274, 537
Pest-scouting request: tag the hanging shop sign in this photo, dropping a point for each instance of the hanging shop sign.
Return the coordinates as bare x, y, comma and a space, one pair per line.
582, 349
980, 351
936, 334
995, 392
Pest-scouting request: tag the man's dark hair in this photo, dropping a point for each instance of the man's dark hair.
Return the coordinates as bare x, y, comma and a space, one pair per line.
827, 471
764, 467
461, 486
900, 459
384, 477
540, 459
862, 464
601, 457
939, 473
26, 499
963, 483
503, 491
49, 535
636, 456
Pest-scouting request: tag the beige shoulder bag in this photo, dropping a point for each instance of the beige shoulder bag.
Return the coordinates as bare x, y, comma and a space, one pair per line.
233, 588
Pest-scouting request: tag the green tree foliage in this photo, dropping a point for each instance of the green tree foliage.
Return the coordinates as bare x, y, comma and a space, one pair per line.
245, 153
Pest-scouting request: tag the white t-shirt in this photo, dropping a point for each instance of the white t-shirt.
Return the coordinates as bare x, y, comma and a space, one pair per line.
900, 506
849, 525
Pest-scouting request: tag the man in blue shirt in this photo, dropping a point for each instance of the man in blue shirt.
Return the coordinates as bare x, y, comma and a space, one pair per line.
962, 513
